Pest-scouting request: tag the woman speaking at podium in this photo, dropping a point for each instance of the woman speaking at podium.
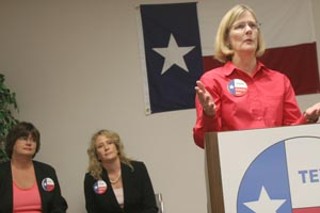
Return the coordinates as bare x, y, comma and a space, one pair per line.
244, 93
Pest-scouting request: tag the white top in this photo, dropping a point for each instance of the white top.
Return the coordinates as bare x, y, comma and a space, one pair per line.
119, 195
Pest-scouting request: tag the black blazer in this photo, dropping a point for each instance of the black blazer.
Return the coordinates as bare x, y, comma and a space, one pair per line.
138, 192
51, 201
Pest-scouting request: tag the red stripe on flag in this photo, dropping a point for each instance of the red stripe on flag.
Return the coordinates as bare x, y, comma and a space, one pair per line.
298, 62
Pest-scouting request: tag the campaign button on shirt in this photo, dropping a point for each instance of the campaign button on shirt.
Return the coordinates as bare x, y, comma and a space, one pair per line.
237, 87
100, 187
47, 184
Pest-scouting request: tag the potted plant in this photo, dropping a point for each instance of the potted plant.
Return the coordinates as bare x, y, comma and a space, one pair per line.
8, 104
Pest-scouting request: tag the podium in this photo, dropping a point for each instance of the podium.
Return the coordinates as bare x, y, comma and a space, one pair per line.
264, 170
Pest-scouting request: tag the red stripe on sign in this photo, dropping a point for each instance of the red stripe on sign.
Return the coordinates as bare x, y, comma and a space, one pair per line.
307, 210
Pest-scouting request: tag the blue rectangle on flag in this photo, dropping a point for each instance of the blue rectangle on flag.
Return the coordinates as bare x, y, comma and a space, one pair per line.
173, 57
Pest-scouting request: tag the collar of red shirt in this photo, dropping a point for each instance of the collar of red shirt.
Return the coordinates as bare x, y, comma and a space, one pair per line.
229, 67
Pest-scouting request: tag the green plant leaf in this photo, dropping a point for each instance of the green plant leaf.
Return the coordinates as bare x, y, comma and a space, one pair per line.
8, 104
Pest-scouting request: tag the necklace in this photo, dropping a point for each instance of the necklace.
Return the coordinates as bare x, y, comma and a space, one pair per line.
116, 179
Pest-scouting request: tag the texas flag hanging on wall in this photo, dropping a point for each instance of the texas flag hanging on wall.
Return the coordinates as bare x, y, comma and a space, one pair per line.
177, 45
173, 56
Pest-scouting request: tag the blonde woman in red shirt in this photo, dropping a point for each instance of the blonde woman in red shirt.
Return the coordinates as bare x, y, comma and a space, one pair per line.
244, 93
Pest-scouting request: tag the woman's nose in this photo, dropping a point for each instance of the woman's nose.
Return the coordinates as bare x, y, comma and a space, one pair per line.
248, 29
29, 141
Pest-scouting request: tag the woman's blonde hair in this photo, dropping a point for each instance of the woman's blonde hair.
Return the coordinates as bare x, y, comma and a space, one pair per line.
223, 51
95, 167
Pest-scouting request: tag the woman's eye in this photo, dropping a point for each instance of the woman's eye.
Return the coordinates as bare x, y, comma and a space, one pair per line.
253, 25
23, 138
240, 26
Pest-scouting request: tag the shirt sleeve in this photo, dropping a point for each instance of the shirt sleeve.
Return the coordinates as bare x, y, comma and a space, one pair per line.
149, 200
59, 203
205, 123
88, 193
292, 114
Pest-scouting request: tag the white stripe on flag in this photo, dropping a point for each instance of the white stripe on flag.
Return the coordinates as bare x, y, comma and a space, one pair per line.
147, 107
284, 23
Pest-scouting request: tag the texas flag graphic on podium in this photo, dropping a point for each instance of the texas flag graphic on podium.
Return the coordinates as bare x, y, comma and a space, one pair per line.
284, 178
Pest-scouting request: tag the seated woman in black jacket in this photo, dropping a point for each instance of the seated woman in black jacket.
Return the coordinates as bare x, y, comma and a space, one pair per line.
27, 185
115, 183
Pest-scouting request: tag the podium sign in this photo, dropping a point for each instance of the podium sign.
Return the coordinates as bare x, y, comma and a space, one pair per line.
264, 170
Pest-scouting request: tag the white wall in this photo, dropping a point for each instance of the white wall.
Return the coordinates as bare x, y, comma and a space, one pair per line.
75, 67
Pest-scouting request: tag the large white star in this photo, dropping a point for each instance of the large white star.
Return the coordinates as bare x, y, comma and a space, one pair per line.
265, 204
173, 54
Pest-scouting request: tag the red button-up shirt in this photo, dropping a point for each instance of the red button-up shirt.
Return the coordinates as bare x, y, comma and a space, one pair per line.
263, 100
